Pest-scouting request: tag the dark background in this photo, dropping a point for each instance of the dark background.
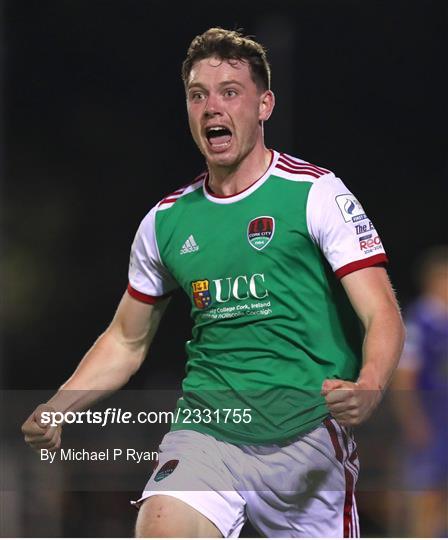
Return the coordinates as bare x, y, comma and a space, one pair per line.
95, 133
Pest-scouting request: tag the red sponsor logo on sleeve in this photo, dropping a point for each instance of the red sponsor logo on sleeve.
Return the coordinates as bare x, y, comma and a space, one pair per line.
370, 243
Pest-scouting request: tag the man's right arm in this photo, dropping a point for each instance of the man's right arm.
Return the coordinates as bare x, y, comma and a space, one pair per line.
107, 366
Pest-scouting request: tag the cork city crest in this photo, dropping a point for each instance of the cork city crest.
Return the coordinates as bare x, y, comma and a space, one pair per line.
201, 293
260, 231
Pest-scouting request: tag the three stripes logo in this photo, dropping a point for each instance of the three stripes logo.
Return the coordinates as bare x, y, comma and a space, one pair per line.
190, 246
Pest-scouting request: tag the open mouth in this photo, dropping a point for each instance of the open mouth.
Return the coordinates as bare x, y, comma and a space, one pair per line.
219, 137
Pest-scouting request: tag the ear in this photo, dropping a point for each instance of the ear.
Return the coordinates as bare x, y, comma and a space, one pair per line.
267, 103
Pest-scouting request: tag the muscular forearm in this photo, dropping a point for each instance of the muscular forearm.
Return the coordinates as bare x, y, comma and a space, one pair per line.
114, 358
382, 348
374, 301
106, 367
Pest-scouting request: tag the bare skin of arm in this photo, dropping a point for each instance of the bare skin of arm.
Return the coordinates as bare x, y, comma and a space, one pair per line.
115, 356
373, 299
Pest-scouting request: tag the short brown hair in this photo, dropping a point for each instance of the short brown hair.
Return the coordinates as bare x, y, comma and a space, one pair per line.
229, 45
433, 258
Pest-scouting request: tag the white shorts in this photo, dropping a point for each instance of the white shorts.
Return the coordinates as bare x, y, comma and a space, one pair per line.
300, 489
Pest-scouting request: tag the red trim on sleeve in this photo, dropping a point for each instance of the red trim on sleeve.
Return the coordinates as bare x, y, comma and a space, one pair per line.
363, 263
146, 298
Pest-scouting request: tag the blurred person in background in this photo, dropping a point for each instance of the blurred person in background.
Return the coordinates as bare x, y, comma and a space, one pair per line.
295, 323
421, 400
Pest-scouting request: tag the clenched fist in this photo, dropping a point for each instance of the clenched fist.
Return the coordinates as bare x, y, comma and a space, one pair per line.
350, 403
39, 434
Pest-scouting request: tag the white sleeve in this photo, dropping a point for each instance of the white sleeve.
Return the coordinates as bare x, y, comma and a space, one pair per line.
148, 278
338, 224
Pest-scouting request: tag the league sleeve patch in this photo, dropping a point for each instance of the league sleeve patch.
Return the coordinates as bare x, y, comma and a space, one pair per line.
350, 208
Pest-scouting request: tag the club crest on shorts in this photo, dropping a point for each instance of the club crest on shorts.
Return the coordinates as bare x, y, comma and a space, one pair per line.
166, 470
260, 231
201, 293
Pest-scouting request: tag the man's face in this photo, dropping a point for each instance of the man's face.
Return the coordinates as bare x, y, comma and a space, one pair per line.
225, 110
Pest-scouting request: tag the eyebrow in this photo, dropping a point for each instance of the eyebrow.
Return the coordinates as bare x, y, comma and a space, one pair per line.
221, 84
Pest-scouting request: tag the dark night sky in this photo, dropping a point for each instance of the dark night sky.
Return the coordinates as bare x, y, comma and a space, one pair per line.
96, 134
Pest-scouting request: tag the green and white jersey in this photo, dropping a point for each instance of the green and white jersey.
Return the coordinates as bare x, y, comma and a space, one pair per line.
271, 319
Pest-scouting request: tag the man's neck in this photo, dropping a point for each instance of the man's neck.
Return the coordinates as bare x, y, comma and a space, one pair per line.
228, 181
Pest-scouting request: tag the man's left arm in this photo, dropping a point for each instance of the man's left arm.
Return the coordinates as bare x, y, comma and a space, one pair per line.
373, 299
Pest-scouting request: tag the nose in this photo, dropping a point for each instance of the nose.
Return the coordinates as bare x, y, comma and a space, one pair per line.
212, 107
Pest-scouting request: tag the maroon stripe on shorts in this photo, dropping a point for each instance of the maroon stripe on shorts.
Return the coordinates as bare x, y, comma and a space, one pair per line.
349, 478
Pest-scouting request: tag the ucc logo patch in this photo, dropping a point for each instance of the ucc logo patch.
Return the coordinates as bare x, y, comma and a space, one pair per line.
260, 231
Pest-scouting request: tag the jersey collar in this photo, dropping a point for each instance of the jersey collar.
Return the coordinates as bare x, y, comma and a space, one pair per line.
223, 199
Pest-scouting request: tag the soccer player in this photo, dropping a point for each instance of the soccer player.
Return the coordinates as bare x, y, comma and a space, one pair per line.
296, 327
421, 401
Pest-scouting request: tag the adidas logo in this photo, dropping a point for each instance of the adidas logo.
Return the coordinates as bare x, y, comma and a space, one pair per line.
189, 246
